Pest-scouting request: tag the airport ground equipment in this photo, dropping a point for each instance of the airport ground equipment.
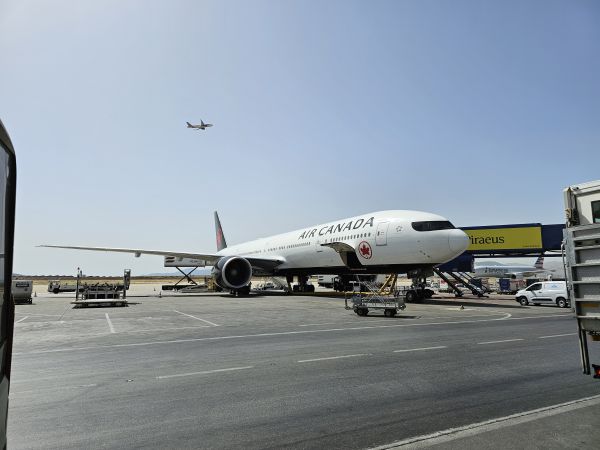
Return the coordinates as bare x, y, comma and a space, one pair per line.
58, 286
272, 283
375, 298
457, 291
101, 294
21, 291
582, 264
179, 263
126, 281
465, 280
509, 286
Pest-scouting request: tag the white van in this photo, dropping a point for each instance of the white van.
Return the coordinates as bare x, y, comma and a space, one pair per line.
544, 292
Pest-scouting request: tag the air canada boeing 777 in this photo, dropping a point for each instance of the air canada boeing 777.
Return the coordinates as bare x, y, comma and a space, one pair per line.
382, 242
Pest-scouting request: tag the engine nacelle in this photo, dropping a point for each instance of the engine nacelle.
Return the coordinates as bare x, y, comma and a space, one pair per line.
232, 272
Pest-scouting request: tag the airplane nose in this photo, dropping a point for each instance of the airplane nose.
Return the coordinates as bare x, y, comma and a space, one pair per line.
458, 241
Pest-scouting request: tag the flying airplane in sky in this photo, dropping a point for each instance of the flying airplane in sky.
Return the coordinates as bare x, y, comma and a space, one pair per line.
202, 126
383, 242
498, 270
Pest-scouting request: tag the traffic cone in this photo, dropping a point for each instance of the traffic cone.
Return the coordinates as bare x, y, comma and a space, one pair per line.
160, 294
35, 294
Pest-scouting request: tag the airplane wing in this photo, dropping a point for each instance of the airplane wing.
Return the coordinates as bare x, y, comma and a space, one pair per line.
264, 262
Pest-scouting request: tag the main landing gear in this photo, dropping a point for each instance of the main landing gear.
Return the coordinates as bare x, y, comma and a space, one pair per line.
302, 286
418, 291
241, 291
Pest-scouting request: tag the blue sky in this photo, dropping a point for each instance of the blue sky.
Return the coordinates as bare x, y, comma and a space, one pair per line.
480, 111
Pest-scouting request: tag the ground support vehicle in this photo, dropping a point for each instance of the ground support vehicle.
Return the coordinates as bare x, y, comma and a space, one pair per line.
101, 294
21, 291
544, 292
582, 264
57, 286
376, 298
362, 304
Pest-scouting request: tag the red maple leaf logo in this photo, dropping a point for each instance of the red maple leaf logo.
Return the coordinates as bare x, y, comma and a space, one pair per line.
365, 250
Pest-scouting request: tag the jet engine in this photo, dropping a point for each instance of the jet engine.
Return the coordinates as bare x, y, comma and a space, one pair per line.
232, 272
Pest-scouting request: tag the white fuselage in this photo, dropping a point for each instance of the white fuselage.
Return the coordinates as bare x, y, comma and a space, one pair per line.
385, 238
505, 271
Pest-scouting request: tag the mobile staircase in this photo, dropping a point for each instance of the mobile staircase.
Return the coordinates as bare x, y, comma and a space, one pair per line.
462, 278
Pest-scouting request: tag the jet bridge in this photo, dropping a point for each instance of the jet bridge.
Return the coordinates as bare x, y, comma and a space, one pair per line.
499, 241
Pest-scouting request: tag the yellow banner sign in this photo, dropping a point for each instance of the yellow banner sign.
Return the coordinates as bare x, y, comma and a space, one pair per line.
505, 238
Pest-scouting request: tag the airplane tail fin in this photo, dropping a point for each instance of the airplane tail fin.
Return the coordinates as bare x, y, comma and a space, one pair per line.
539, 263
202, 122
221, 242
189, 125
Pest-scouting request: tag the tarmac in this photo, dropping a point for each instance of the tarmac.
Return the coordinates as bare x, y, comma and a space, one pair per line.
272, 371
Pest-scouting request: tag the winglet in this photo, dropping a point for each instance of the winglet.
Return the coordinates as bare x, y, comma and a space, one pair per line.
221, 243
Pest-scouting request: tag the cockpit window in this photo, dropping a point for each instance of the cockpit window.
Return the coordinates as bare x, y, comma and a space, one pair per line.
432, 225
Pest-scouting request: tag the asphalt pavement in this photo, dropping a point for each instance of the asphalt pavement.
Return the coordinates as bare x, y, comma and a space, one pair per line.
285, 371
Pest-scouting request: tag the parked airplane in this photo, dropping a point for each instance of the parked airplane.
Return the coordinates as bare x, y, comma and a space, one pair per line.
498, 270
382, 242
202, 126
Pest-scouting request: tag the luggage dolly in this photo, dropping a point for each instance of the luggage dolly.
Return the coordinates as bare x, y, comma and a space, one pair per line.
362, 305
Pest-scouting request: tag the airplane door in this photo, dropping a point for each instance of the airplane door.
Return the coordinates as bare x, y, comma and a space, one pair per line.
318, 246
381, 233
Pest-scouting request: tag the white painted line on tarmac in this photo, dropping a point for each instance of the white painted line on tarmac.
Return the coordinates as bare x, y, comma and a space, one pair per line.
47, 315
333, 357
204, 372
420, 349
197, 318
145, 330
317, 324
440, 437
278, 333
499, 342
110, 325
557, 335
56, 388
21, 320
